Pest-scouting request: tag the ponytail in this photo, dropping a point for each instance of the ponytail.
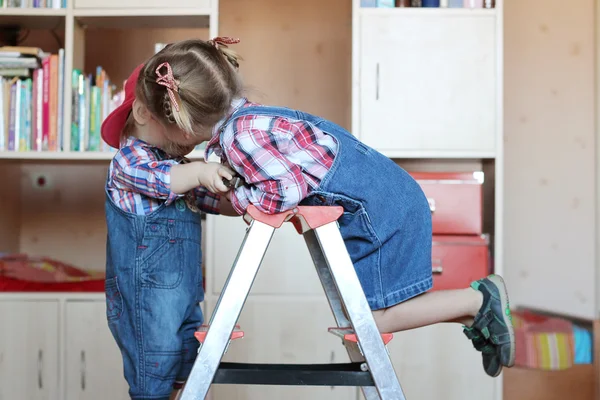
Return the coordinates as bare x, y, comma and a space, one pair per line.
220, 43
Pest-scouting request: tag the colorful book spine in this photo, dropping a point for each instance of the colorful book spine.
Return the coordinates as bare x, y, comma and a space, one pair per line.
18, 117
53, 134
39, 116
46, 105
75, 127
60, 93
3, 132
83, 126
13, 117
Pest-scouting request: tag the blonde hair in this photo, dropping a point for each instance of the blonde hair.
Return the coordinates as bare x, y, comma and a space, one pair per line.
206, 82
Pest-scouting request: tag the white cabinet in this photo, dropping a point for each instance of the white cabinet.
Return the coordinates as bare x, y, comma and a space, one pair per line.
428, 82
58, 349
28, 350
291, 331
93, 363
439, 362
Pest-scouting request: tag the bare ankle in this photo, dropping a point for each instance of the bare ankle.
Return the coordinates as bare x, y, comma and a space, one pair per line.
477, 301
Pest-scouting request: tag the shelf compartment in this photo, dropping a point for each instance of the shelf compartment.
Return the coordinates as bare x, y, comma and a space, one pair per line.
33, 18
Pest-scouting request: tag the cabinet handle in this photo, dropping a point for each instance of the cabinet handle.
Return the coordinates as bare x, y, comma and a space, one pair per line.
437, 267
377, 82
331, 361
40, 368
431, 204
82, 369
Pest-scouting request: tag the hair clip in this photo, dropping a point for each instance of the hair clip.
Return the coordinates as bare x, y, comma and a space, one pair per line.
169, 82
223, 41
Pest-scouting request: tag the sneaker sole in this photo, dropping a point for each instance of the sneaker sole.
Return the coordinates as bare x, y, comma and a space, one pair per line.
499, 282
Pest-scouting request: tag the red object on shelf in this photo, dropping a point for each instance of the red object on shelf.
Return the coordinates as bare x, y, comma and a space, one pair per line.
15, 285
455, 200
22, 273
459, 260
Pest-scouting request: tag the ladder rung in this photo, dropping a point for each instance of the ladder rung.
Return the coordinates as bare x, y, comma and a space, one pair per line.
348, 374
349, 335
203, 330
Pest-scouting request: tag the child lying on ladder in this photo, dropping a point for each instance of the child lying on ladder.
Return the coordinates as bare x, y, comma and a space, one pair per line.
191, 92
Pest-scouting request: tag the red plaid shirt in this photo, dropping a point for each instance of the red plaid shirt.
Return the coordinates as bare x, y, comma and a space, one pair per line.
281, 159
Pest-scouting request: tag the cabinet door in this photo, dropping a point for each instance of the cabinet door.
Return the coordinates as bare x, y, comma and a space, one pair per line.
428, 83
439, 362
283, 330
29, 350
94, 367
286, 268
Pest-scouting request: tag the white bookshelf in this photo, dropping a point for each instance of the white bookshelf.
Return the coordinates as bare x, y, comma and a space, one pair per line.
81, 15
58, 345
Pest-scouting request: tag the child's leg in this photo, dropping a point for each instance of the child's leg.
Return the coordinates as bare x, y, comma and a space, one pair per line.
430, 308
483, 309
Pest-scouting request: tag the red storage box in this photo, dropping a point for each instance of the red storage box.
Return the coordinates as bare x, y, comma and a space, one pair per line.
459, 260
455, 200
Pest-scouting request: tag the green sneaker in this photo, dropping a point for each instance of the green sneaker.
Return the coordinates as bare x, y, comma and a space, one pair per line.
491, 361
494, 320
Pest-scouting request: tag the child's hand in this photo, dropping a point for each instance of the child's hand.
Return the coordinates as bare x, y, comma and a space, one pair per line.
211, 177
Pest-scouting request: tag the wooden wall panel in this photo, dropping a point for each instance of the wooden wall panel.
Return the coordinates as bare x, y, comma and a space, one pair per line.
119, 51
10, 208
297, 53
550, 162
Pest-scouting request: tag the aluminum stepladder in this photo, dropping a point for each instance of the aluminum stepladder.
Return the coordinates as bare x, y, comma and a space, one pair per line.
370, 366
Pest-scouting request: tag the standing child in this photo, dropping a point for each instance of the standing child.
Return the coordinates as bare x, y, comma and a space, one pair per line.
153, 199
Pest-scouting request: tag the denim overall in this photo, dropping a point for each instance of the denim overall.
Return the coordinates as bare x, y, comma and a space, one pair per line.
153, 287
386, 223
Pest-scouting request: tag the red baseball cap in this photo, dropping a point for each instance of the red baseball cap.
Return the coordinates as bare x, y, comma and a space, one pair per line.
115, 121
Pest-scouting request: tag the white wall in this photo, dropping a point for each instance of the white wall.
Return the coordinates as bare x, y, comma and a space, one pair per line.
550, 180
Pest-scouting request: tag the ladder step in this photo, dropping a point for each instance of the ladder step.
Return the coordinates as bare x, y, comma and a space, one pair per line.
349, 335
200, 334
348, 374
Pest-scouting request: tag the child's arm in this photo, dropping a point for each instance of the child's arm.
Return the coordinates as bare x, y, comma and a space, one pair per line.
185, 177
134, 169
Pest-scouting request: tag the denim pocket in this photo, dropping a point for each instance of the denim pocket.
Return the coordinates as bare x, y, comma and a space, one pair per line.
356, 228
114, 301
162, 267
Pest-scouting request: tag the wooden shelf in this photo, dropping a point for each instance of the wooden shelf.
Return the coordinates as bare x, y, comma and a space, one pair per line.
457, 155
39, 12
55, 155
442, 12
70, 155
